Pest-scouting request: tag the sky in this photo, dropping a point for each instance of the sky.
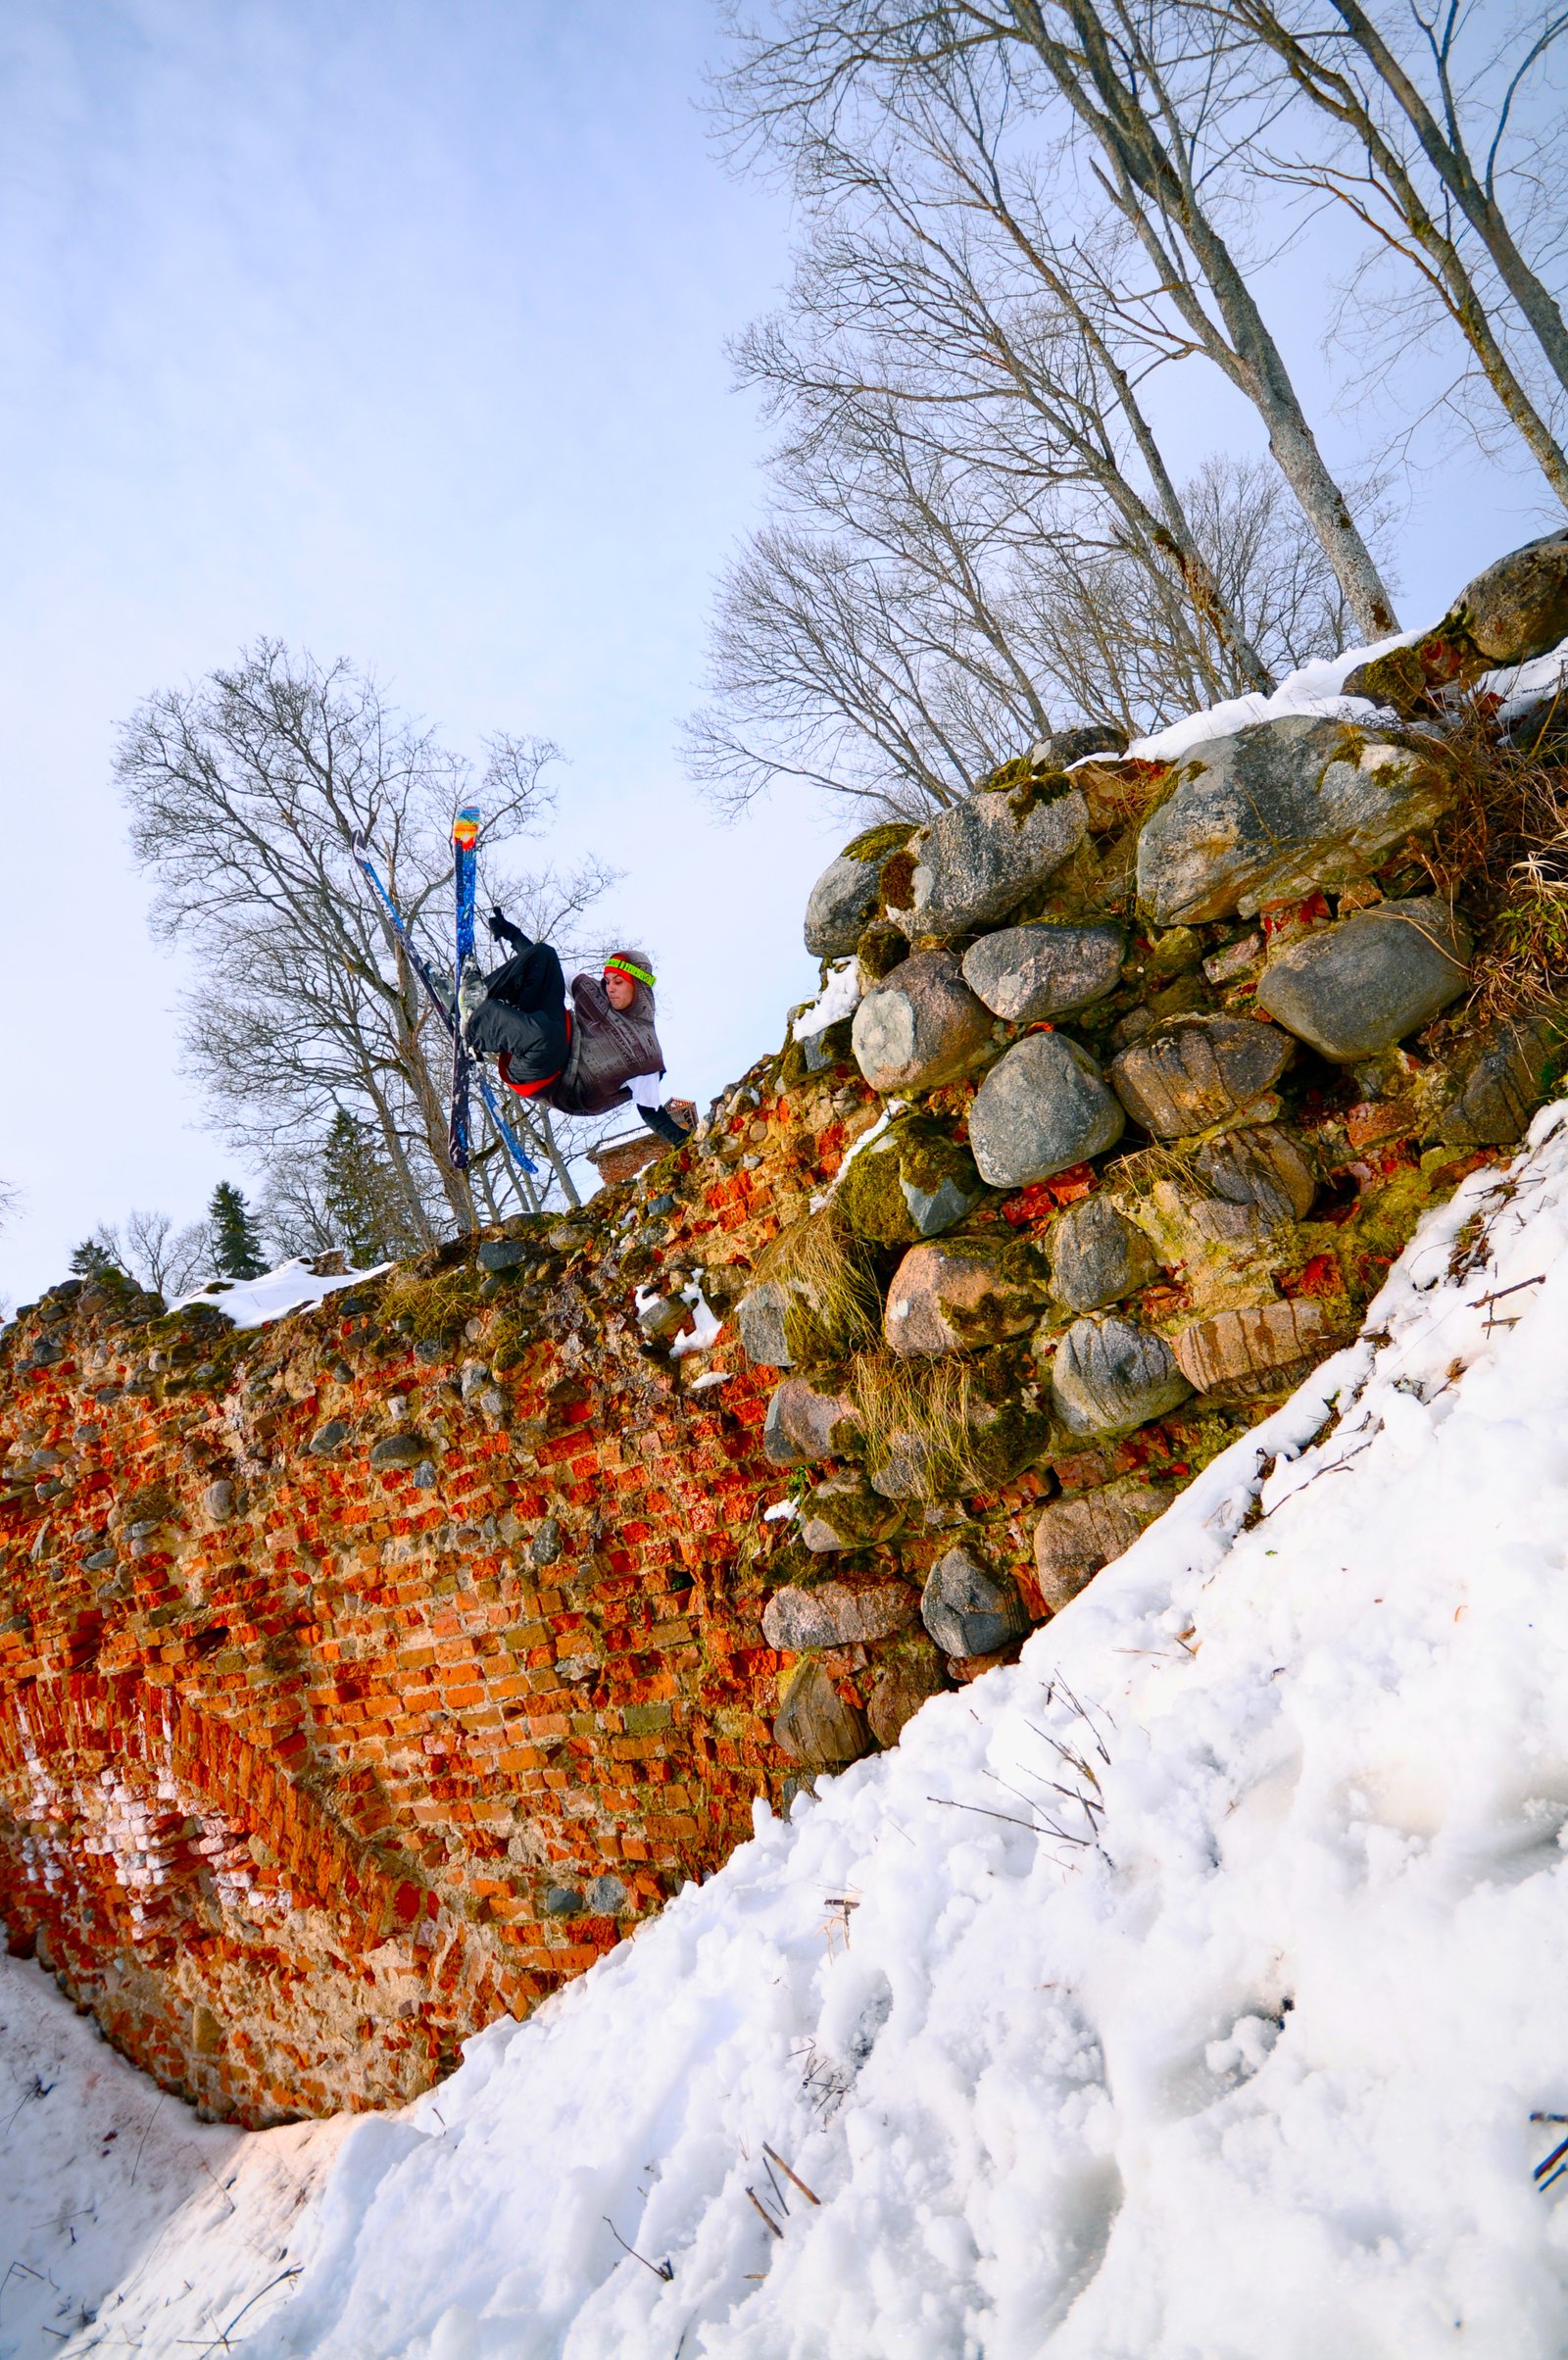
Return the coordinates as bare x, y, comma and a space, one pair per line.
395, 330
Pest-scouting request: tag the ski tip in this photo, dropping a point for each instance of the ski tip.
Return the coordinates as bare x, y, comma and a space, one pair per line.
465, 827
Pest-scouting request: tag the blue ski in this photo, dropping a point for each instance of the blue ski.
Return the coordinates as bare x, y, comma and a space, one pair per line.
465, 838
504, 1130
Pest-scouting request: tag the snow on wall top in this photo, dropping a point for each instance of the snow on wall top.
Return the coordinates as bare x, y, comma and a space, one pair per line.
292, 1287
1318, 688
1188, 1988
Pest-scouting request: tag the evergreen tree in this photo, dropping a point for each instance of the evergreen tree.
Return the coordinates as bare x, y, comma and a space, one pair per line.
236, 1239
90, 1259
354, 1193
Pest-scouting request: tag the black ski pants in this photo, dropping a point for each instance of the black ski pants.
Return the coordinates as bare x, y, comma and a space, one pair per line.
524, 1014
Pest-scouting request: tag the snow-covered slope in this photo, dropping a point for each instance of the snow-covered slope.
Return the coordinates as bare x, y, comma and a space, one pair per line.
1197, 1989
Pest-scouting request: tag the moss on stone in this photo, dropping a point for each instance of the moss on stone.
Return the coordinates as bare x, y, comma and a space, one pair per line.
914, 1157
876, 844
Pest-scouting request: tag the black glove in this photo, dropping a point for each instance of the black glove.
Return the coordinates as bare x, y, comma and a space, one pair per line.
500, 925
663, 1125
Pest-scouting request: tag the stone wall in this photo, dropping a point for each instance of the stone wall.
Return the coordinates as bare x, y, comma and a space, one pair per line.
370, 1672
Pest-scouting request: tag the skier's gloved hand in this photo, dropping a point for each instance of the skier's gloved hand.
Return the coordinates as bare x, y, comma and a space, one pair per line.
499, 926
663, 1125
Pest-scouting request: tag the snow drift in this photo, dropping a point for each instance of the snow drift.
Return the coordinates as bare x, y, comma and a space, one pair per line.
1193, 1988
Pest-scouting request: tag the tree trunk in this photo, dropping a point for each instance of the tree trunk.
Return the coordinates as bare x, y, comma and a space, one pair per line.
1474, 199
1145, 176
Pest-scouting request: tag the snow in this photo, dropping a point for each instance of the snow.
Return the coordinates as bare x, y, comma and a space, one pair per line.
1187, 1991
101, 2167
291, 1287
1318, 688
839, 998
706, 1327
703, 1334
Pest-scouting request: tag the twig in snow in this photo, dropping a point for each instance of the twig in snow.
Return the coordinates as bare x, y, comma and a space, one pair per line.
1501, 1292
767, 2215
1555, 2157
794, 2177
1011, 1817
222, 2338
142, 2141
1084, 1716
665, 2269
779, 2197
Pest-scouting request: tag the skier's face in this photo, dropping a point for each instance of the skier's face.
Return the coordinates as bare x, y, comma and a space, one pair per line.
620, 990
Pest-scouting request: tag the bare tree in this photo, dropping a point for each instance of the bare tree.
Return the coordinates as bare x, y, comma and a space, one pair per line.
166, 1260
1159, 121
1414, 187
246, 793
919, 627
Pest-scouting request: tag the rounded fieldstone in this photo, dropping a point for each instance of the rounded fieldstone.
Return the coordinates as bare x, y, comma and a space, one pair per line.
562, 1902
1518, 607
906, 1683
504, 1254
1109, 1376
328, 1438
545, 1547
976, 862
841, 902
969, 1609
1273, 812
1025, 973
1260, 1166
914, 1181
399, 1451
1496, 1084
219, 1500
1239, 1354
817, 1726
920, 1027
804, 1425
607, 1897
837, 1614
845, 1512
1354, 988
759, 1318
1074, 1539
963, 1295
1096, 1257
1193, 1071
1041, 1109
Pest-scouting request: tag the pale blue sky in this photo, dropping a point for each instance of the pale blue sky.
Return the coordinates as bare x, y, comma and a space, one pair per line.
396, 330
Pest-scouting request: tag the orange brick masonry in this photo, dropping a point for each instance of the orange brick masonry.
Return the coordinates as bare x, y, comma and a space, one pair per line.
307, 1771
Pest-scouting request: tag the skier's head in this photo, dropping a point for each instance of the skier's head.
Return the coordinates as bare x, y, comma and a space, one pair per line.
627, 973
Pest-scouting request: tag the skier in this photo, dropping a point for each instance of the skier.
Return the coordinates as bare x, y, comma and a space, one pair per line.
584, 1059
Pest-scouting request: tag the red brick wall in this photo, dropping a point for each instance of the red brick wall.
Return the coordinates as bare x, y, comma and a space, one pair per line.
297, 1796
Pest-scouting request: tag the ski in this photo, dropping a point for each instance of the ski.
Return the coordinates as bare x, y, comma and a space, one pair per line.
438, 1000
465, 866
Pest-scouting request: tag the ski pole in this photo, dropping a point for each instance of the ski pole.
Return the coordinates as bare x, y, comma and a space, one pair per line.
504, 1130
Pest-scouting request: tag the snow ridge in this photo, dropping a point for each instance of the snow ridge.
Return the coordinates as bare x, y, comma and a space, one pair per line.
1185, 1992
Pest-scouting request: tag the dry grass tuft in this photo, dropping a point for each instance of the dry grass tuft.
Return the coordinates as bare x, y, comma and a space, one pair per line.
435, 1305
828, 1269
921, 1414
1503, 854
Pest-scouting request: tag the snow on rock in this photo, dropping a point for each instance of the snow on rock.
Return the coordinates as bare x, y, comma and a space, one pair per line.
291, 1287
1186, 1992
839, 998
1318, 688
